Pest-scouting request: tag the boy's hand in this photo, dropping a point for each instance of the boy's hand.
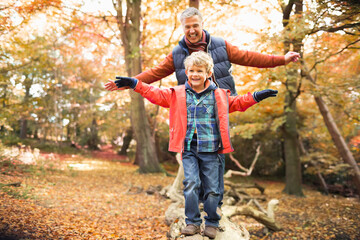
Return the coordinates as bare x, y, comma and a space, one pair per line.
126, 82
291, 57
261, 95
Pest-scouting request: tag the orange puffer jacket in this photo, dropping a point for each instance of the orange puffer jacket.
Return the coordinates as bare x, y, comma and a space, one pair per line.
175, 99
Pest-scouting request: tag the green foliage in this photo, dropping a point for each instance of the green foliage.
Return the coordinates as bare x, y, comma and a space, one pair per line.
54, 78
19, 193
247, 130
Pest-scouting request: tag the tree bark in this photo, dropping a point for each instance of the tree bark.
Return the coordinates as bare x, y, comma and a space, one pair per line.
227, 230
291, 153
194, 3
126, 141
339, 141
129, 26
267, 219
23, 127
23, 121
93, 140
175, 190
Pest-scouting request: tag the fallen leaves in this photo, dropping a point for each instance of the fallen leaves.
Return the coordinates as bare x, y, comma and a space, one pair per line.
315, 216
91, 204
96, 198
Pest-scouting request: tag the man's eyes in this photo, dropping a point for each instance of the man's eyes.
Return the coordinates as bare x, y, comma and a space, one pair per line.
194, 26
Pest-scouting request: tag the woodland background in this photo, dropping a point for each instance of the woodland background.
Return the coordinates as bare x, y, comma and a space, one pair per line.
56, 56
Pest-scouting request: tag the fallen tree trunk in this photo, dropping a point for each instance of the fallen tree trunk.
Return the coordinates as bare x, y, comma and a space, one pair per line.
175, 215
174, 192
246, 172
267, 219
227, 230
243, 185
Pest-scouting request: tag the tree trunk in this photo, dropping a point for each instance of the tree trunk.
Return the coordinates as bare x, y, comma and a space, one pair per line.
194, 3
145, 144
175, 191
291, 152
339, 141
23, 128
129, 27
126, 141
3, 99
23, 120
68, 132
93, 140
36, 133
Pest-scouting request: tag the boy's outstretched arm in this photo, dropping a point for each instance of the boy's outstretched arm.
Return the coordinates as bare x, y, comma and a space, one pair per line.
243, 102
154, 94
261, 95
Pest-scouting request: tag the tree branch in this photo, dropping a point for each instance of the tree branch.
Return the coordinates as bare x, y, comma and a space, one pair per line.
247, 172
335, 29
333, 54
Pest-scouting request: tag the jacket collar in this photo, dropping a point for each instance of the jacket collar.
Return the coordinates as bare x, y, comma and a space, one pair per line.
211, 86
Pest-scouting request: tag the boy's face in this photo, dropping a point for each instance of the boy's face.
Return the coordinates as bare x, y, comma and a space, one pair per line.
197, 76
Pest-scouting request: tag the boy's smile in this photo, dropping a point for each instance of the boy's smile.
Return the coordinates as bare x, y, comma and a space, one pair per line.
197, 76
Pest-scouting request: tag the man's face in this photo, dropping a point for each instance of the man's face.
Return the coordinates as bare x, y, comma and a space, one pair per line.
193, 28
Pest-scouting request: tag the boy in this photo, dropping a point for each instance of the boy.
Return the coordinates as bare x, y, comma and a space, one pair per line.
199, 129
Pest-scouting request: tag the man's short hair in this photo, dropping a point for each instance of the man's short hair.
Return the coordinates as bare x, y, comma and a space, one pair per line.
189, 12
200, 59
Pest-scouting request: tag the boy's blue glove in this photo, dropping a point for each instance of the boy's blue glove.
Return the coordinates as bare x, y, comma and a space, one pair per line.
261, 95
126, 82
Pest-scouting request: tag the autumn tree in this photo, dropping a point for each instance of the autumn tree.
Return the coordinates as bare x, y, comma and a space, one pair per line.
290, 133
60, 84
129, 26
347, 22
317, 25
19, 53
194, 3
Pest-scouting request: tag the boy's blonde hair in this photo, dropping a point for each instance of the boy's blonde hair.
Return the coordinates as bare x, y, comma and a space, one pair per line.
200, 59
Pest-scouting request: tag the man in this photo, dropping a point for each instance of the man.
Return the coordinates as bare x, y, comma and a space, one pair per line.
223, 54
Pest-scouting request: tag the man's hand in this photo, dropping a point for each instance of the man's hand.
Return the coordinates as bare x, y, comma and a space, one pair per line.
261, 95
291, 57
111, 86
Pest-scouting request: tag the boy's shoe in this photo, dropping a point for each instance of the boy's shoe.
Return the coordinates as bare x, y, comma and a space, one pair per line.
210, 231
190, 229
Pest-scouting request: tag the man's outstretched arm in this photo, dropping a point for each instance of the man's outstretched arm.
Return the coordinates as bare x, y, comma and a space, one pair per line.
255, 59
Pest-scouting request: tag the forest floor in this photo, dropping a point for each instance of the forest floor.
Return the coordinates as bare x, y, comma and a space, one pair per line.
101, 196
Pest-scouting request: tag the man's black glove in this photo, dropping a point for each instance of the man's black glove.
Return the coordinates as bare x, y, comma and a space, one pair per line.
126, 82
261, 95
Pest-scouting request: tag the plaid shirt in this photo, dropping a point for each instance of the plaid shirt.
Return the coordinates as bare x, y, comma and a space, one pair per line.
201, 118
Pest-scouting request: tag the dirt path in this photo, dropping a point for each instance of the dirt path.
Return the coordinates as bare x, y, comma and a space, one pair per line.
103, 197
93, 198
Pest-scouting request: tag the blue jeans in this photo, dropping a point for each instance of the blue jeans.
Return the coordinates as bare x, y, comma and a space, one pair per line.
201, 169
221, 178
221, 181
